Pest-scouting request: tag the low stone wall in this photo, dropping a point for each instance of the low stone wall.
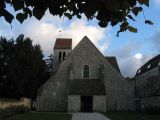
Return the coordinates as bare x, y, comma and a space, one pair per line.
26, 102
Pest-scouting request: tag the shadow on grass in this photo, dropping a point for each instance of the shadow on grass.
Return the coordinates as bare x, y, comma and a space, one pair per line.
42, 116
131, 116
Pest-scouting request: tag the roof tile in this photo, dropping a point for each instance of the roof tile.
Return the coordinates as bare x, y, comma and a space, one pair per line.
63, 43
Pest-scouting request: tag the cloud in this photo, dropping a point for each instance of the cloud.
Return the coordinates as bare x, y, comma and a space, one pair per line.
46, 31
157, 1
131, 64
129, 57
138, 56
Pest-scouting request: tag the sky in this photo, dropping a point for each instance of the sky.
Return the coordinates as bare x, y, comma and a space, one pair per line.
132, 50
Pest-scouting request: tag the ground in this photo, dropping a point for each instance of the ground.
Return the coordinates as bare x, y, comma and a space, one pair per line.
65, 116
88, 116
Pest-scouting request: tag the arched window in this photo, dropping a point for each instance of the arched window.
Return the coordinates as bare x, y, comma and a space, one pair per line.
64, 55
86, 71
60, 55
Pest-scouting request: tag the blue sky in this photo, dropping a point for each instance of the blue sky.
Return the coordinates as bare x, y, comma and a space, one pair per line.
131, 49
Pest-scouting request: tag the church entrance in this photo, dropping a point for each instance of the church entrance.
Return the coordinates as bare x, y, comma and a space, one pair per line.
86, 103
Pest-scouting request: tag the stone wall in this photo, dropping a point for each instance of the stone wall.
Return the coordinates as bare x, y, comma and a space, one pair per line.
26, 102
86, 54
149, 102
144, 81
53, 95
74, 103
119, 94
56, 56
99, 103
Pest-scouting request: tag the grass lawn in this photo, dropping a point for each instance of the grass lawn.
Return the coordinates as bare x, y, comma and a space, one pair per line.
131, 116
41, 116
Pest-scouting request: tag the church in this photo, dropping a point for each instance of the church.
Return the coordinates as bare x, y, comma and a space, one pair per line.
84, 80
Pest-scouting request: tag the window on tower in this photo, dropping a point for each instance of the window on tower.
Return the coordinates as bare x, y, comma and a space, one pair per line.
64, 55
86, 71
60, 55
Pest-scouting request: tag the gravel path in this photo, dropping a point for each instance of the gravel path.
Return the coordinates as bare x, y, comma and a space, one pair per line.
89, 116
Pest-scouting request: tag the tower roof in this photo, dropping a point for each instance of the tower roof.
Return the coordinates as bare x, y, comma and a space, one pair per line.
63, 43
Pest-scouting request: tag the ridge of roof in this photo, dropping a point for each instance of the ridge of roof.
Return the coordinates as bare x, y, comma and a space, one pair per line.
150, 64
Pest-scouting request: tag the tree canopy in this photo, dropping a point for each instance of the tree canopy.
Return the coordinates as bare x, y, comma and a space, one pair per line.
105, 11
22, 68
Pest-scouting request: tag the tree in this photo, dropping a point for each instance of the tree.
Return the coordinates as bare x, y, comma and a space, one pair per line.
23, 68
49, 63
131, 81
105, 11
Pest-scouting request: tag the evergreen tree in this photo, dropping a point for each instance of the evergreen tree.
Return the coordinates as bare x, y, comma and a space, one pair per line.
49, 63
23, 69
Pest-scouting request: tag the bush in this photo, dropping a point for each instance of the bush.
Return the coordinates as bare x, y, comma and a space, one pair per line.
13, 110
152, 109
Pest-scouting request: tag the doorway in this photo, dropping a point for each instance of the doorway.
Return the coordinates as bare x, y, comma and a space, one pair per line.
86, 103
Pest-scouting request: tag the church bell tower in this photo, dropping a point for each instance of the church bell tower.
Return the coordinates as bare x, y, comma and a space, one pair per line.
62, 48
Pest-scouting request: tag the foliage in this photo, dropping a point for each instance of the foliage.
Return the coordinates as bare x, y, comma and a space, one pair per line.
23, 68
105, 11
131, 81
49, 63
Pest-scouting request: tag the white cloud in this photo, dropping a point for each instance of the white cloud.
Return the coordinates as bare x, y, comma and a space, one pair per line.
78, 29
157, 1
138, 56
131, 64
46, 31
129, 58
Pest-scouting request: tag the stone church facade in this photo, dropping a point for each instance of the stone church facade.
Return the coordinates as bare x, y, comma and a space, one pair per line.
84, 80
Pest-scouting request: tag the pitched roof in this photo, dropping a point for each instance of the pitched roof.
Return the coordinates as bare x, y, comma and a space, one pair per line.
152, 63
87, 87
113, 62
63, 43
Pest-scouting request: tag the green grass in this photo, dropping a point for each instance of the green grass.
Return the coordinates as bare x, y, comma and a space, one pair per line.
42, 116
131, 116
